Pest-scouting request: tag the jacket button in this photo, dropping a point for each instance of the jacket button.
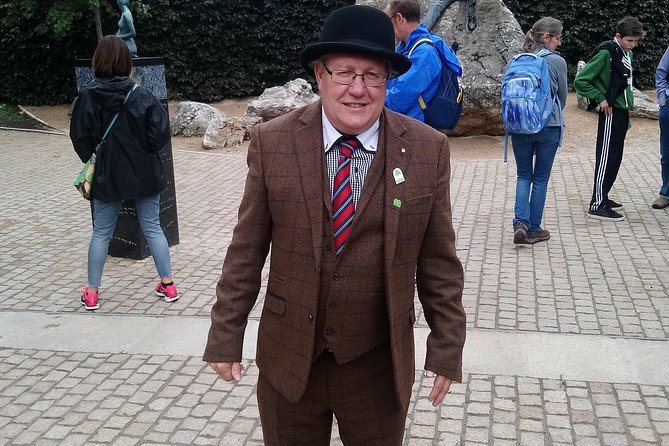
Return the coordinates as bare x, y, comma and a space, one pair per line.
311, 318
332, 305
328, 247
336, 276
330, 332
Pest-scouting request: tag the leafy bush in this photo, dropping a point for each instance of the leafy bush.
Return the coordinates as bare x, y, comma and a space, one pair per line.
213, 49
217, 49
586, 24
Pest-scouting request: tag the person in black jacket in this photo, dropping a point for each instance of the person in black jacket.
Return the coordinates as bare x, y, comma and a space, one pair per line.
127, 164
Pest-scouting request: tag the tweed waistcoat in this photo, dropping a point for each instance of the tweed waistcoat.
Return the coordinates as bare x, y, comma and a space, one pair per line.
352, 317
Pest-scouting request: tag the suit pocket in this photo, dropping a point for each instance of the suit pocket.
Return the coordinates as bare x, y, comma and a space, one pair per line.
275, 304
418, 204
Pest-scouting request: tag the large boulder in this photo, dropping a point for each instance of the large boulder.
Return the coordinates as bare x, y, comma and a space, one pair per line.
229, 132
193, 118
644, 106
276, 101
484, 54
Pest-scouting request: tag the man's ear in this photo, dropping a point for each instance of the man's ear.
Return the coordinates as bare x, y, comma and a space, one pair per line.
319, 71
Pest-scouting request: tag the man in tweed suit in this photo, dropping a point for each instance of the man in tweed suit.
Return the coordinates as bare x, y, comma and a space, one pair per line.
336, 330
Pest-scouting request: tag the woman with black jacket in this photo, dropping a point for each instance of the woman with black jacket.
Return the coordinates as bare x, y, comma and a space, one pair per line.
127, 165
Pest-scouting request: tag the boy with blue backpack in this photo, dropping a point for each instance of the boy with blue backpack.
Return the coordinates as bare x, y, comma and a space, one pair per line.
534, 92
429, 91
606, 80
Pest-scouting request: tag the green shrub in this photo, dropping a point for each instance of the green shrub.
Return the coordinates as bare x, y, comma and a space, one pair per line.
586, 24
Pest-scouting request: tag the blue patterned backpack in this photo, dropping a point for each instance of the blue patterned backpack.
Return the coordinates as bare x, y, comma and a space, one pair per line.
527, 102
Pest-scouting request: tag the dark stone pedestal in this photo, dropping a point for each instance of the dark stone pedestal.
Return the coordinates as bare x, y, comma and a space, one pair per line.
128, 241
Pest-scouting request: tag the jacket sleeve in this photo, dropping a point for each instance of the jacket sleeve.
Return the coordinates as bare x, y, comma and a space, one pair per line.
662, 79
440, 281
157, 126
584, 85
562, 87
403, 95
239, 284
84, 132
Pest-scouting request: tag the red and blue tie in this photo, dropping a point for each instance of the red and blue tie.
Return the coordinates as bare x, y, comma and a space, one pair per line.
342, 197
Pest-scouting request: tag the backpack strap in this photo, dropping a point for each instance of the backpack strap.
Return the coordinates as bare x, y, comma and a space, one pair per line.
421, 101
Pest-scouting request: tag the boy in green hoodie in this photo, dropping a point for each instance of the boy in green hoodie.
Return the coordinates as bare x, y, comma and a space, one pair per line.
606, 80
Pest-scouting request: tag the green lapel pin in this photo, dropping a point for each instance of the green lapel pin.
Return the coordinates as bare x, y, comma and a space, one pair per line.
397, 203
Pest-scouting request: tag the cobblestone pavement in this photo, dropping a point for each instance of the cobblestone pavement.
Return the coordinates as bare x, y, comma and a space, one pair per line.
591, 278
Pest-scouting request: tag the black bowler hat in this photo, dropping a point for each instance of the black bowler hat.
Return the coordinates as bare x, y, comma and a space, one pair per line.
357, 29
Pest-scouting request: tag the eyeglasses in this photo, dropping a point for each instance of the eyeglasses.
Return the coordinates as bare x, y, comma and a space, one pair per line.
346, 77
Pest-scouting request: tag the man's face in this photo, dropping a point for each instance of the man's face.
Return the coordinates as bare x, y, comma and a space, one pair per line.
628, 43
351, 109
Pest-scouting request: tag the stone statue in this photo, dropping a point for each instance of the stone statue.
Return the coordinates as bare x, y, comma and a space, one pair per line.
126, 28
437, 7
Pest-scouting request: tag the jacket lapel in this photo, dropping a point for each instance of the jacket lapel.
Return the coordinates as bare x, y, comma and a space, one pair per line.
398, 155
310, 161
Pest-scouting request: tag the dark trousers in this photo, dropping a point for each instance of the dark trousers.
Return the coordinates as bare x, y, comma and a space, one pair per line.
611, 132
360, 393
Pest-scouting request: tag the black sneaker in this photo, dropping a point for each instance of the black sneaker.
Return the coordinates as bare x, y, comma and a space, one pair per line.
520, 234
614, 206
605, 213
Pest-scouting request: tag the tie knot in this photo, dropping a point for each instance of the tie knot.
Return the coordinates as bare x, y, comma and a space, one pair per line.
347, 144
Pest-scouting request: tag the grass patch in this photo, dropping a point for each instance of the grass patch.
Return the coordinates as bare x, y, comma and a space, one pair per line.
11, 113
11, 117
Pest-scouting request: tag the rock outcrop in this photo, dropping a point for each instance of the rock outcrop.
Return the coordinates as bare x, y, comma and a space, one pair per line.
484, 54
193, 118
276, 101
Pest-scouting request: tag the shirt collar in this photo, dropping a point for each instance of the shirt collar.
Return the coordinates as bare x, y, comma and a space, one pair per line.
369, 138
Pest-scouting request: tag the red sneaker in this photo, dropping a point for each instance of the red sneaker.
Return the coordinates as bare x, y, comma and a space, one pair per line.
168, 293
89, 300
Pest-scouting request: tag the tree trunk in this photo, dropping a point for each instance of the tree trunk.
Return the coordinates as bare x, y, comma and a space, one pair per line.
98, 23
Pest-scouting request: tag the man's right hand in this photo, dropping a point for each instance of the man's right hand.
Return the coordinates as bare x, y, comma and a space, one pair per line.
606, 108
227, 370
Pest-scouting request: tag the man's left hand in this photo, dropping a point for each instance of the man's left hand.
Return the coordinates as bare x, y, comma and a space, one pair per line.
441, 387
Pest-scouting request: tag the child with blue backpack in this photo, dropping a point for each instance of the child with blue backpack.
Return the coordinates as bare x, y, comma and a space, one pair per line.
606, 80
534, 152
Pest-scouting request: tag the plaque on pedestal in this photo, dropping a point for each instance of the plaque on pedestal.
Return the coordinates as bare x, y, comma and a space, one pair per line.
128, 240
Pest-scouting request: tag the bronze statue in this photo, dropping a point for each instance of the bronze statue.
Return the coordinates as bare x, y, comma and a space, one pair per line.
438, 6
126, 28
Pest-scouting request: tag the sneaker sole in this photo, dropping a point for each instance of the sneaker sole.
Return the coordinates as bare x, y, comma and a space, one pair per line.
532, 241
165, 298
603, 218
90, 308
617, 208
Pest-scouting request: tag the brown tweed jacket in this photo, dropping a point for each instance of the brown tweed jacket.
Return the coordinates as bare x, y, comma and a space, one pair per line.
286, 207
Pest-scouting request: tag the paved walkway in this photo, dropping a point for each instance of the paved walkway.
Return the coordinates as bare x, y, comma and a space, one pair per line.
567, 340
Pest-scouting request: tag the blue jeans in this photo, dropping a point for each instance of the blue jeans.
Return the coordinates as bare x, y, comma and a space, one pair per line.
105, 215
664, 149
534, 160
437, 7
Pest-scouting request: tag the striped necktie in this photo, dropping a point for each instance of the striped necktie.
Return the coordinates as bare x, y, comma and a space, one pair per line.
342, 197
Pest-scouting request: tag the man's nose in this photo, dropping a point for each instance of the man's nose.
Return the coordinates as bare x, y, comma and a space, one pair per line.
357, 87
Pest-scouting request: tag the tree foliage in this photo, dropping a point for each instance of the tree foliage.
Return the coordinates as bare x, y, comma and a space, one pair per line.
586, 24
217, 49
